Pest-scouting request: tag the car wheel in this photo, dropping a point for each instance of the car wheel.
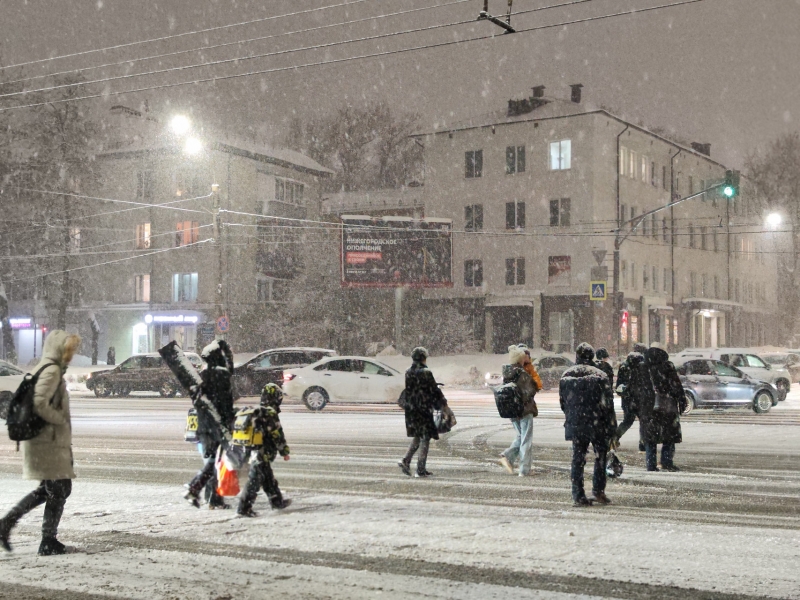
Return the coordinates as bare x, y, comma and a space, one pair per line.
5, 401
762, 402
123, 391
167, 390
315, 398
783, 389
101, 389
690, 404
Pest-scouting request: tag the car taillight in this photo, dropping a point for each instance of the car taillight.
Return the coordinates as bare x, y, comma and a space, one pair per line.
288, 377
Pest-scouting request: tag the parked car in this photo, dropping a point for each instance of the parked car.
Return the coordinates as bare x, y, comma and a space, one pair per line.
139, 373
715, 384
786, 360
268, 367
550, 368
746, 361
343, 379
10, 378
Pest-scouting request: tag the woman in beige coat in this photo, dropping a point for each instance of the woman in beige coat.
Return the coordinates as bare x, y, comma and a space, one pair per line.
47, 458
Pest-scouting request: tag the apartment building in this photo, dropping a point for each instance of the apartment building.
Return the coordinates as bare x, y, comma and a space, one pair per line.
180, 232
540, 189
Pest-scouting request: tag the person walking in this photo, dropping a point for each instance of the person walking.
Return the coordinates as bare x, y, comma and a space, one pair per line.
584, 392
111, 357
218, 388
422, 397
601, 354
632, 385
519, 373
47, 458
660, 412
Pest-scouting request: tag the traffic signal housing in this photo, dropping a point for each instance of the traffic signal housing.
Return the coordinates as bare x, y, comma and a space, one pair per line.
730, 188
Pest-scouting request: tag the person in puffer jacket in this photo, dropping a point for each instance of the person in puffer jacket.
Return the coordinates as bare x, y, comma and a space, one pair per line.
517, 372
584, 393
47, 458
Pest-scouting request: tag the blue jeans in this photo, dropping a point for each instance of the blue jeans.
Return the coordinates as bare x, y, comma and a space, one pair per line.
520, 448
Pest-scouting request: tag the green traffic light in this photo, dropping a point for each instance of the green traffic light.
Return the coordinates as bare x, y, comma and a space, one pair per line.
729, 191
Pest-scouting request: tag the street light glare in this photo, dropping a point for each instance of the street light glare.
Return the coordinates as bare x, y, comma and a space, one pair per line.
180, 124
774, 220
193, 146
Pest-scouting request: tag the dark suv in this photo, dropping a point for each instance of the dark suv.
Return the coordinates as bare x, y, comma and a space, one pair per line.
267, 367
139, 373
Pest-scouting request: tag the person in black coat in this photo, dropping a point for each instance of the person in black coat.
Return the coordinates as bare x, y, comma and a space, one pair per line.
422, 397
584, 393
633, 384
218, 388
601, 354
661, 424
111, 357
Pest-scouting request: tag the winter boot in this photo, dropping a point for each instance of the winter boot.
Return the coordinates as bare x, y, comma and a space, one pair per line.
404, 468
5, 532
582, 501
50, 546
280, 503
600, 498
192, 498
246, 512
218, 505
506, 464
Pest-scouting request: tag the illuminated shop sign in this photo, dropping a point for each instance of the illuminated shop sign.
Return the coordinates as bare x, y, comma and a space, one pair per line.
25, 323
171, 319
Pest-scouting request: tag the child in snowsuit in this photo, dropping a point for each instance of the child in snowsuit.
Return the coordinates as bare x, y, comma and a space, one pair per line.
267, 422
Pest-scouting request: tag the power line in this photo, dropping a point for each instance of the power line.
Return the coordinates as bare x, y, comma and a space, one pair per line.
347, 59
241, 42
184, 34
139, 204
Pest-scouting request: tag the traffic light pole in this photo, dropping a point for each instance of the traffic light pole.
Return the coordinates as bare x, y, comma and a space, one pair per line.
730, 188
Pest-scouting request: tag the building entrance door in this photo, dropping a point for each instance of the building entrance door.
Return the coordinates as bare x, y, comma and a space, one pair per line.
511, 325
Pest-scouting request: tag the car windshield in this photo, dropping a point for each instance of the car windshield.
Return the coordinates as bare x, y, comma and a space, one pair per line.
754, 361
777, 359
723, 370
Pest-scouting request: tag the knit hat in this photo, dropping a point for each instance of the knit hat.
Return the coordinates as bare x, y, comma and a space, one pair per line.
516, 355
601, 353
584, 353
419, 354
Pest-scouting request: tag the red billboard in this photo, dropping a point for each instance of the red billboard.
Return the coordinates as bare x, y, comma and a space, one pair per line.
396, 252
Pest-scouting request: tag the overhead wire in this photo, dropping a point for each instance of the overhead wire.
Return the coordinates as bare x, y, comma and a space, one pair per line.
183, 34
107, 94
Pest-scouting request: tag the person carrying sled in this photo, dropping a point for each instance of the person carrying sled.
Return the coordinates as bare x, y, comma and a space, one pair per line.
265, 440
520, 371
217, 387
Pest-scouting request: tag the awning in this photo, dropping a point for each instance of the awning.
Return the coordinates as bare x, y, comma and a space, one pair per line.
662, 308
509, 302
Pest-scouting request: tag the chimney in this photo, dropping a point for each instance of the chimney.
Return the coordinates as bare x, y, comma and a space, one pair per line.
576, 92
702, 148
538, 91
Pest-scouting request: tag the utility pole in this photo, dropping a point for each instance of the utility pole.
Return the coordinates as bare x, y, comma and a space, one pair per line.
485, 16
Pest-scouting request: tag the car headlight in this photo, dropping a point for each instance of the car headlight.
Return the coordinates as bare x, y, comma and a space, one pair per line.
88, 377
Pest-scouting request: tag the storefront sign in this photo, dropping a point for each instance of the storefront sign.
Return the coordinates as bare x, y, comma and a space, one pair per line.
171, 319
21, 323
623, 327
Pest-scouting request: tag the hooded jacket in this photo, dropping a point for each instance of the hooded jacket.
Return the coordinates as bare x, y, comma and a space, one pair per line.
661, 428
584, 393
49, 454
423, 396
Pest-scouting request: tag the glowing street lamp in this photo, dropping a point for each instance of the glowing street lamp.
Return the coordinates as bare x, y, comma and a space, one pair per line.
774, 220
180, 124
193, 146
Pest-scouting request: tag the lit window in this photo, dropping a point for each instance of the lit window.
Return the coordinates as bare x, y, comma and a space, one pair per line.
143, 236
141, 288
184, 287
186, 233
560, 155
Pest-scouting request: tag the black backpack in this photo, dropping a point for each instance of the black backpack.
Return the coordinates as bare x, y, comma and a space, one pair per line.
22, 421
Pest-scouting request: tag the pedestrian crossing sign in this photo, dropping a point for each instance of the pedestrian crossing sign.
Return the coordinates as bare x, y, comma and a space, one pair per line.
597, 290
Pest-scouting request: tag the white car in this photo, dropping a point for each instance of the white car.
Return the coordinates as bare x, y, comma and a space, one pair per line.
343, 379
10, 378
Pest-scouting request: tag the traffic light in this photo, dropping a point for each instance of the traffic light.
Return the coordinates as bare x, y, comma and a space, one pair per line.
731, 186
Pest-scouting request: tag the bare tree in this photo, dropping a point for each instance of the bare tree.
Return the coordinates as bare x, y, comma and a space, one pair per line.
776, 174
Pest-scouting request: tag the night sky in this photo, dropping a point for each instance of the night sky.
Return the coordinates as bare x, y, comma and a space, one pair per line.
719, 71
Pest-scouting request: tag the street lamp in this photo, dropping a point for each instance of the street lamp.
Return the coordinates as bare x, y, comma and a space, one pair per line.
193, 146
774, 220
180, 124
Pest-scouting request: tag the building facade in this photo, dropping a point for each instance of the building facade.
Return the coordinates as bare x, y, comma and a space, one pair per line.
541, 189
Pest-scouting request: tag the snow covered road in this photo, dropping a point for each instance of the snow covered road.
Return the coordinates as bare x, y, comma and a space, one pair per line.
727, 526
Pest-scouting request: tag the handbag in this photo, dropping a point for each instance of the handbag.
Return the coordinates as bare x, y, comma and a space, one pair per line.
444, 420
664, 404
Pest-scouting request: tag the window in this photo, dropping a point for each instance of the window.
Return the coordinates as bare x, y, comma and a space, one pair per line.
691, 236
143, 236
289, 191
473, 273
515, 215
633, 216
624, 272
654, 228
691, 184
704, 285
560, 155
561, 334
702, 189
664, 182
623, 160
74, 239
184, 287
655, 279
715, 240
666, 281
645, 277
703, 244
515, 159
754, 361
632, 162
515, 271
144, 185
664, 230
633, 275
623, 214
186, 233
644, 174
559, 212
473, 164
262, 290
716, 286
141, 288
692, 284
473, 217
559, 270
653, 177
645, 227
